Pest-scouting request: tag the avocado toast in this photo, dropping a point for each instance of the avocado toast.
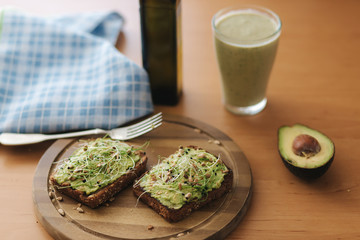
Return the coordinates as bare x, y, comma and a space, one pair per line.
98, 170
183, 182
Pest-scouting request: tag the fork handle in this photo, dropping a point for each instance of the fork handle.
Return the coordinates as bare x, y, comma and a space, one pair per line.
25, 138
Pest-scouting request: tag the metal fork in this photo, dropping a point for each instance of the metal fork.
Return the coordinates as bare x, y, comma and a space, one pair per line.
123, 133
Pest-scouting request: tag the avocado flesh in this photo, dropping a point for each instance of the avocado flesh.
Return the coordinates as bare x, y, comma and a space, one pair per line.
305, 166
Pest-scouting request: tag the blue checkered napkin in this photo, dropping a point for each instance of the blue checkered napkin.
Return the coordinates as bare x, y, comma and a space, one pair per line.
101, 24
63, 73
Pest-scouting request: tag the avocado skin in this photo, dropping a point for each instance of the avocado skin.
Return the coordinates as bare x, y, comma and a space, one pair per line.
308, 174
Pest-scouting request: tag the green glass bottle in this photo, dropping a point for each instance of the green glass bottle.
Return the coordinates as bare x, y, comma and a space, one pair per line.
162, 48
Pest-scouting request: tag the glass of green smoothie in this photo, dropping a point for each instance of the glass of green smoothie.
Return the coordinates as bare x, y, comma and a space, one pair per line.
246, 40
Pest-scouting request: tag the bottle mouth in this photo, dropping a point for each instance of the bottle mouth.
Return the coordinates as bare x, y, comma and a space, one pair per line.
223, 13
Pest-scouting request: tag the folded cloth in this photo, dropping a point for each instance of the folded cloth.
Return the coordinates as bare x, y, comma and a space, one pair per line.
63, 73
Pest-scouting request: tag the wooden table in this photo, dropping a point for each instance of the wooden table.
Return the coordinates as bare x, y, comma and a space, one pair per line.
315, 81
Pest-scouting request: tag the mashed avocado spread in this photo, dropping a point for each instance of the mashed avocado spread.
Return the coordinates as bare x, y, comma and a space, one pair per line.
96, 164
185, 176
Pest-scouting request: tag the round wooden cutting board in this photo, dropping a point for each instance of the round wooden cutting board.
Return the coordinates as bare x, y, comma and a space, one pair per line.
126, 218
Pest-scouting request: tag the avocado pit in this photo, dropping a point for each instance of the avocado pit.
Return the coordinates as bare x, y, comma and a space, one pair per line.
305, 145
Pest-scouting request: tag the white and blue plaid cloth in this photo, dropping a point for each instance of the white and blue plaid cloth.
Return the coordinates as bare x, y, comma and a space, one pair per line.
63, 73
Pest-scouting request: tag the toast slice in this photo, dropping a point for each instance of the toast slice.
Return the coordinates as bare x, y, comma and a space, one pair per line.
184, 182
98, 170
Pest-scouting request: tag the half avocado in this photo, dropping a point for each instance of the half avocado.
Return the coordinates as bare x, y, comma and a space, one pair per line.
307, 153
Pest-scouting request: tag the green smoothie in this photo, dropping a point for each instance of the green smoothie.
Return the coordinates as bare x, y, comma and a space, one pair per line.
245, 43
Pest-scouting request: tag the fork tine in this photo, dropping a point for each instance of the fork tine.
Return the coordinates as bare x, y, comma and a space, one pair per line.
145, 126
145, 122
143, 131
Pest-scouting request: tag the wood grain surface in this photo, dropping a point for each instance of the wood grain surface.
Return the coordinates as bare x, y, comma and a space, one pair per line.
127, 218
315, 81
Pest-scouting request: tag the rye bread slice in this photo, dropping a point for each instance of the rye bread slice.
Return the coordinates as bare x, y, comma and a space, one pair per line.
175, 215
105, 193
